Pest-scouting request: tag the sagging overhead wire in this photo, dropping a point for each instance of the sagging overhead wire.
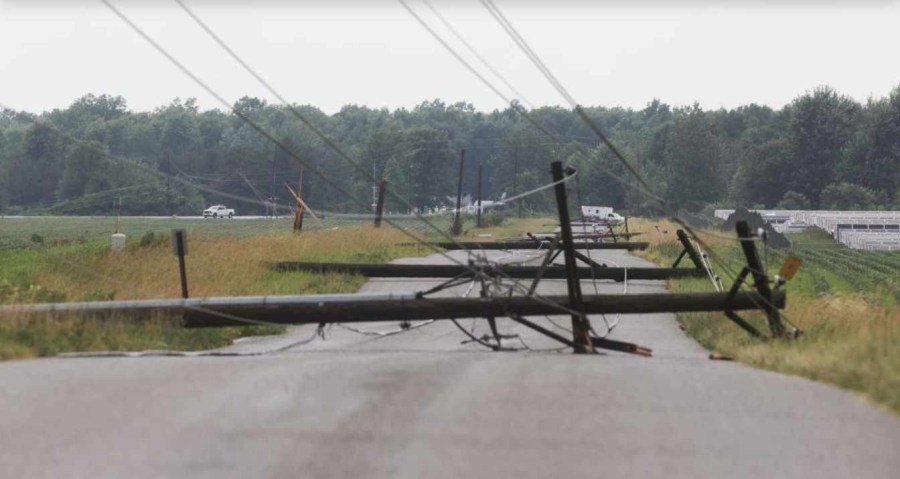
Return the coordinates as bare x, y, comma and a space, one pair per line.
306, 122
268, 136
644, 187
321, 135
128, 162
514, 103
477, 55
498, 15
273, 140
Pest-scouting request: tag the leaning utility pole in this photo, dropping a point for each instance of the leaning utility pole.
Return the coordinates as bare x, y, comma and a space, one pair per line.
298, 213
580, 327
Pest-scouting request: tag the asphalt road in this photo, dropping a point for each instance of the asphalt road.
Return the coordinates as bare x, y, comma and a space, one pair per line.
421, 404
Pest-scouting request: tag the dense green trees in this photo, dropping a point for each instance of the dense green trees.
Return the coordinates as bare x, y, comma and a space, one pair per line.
821, 150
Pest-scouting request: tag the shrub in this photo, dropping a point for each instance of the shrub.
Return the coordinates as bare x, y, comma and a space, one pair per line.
492, 219
794, 201
151, 239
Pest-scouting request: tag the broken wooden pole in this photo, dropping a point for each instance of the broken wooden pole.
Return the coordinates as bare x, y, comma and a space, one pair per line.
760, 279
511, 271
580, 325
688, 250
379, 206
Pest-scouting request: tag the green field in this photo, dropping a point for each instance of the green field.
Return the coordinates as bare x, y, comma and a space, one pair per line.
845, 301
21, 231
52, 259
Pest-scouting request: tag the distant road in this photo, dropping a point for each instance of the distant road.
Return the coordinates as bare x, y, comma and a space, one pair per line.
421, 404
174, 217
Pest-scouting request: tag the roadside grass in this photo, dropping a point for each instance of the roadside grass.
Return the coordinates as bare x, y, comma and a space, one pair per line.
850, 316
216, 266
53, 259
510, 228
18, 231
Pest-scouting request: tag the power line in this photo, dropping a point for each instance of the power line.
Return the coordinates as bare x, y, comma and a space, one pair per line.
268, 135
324, 138
495, 12
475, 52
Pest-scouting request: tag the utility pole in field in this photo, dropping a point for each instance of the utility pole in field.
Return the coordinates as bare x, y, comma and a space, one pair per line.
457, 225
478, 209
169, 185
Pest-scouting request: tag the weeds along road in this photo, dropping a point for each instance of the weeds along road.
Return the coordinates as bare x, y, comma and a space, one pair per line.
421, 404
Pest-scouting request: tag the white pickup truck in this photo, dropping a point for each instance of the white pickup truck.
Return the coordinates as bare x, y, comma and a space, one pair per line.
218, 211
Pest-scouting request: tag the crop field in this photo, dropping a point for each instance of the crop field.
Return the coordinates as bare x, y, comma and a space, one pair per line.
51, 259
846, 302
69, 259
21, 231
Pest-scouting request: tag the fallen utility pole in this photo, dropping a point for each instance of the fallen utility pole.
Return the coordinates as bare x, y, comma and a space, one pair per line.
760, 282
510, 271
294, 310
346, 308
509, 245
596, 236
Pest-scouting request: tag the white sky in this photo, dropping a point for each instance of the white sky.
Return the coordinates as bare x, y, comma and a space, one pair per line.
376, 54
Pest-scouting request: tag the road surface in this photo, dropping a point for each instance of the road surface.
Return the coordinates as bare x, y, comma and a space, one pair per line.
421, 404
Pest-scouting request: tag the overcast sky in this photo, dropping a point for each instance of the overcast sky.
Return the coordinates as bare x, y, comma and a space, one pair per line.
330, 54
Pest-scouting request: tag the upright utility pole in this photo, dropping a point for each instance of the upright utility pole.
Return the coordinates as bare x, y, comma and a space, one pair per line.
457, 225
580, 328
478, 218
169, 184
516, 175
409, 187
379, 203
298, 213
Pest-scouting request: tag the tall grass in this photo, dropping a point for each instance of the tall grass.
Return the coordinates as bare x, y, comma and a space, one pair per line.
216, 266
851, 324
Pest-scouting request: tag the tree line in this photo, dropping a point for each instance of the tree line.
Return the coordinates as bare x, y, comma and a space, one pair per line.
824, 150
